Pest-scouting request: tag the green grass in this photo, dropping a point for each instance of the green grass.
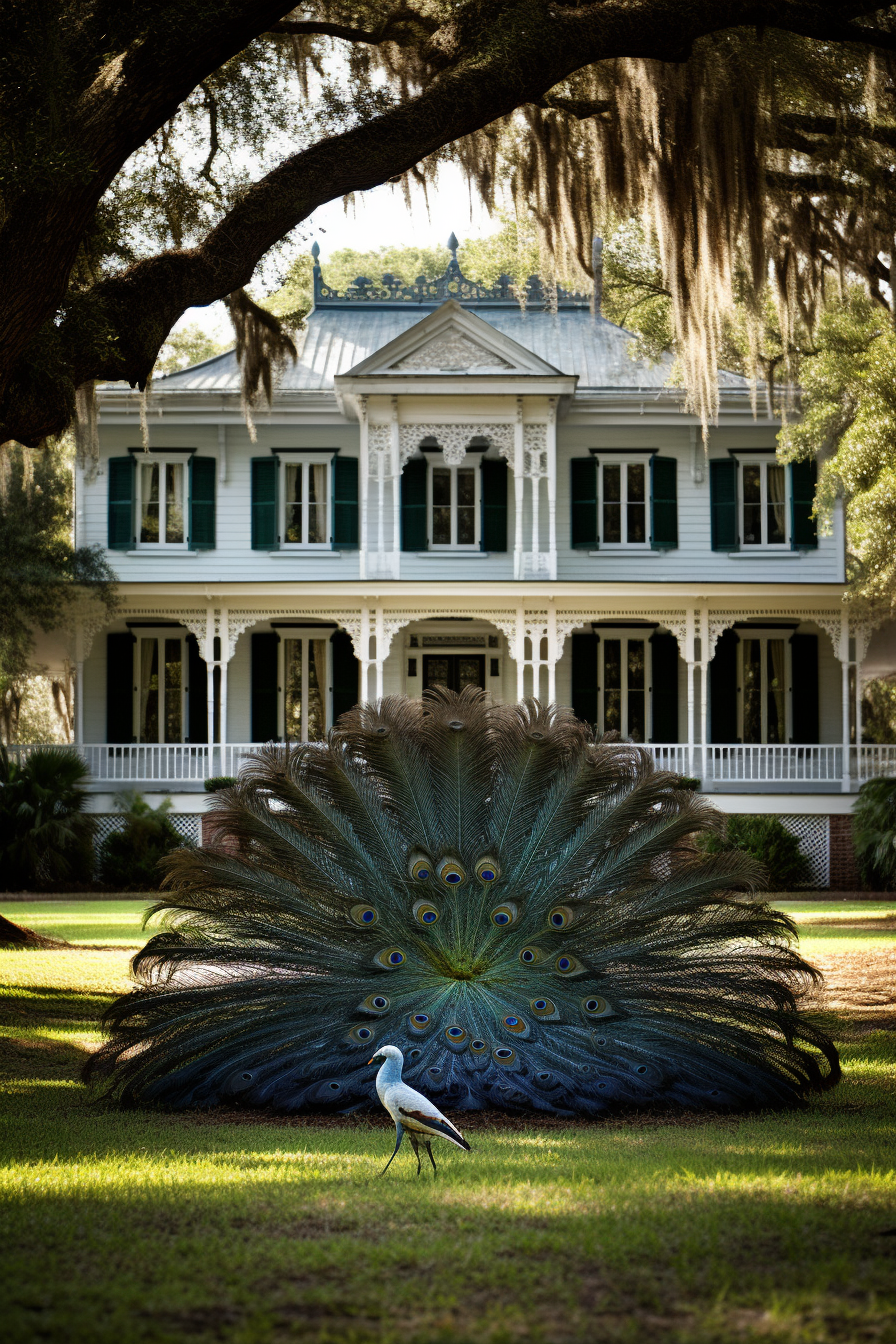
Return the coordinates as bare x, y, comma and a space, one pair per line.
145, 1228
109, 923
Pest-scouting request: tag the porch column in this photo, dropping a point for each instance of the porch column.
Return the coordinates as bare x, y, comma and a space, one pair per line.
690, 639
705, 654
210, 684
363, 476
225, 659
380, 645
552, 487
365, 654
520, 653
552, 653
518, 479
395, 468
844, 697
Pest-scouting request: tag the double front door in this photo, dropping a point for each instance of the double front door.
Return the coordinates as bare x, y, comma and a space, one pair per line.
454, 670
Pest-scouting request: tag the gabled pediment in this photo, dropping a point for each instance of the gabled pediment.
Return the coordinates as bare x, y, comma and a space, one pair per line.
452, 342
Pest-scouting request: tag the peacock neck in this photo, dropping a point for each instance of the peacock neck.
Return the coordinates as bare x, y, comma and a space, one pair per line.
389, 1075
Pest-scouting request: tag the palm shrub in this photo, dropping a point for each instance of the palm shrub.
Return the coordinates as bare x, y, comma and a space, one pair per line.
874, 833
45, 836
130, 858
767, 841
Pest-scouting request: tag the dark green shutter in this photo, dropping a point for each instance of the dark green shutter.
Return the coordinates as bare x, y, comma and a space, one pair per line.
584, 677
804, 687
345, 503
723, 504
493, 504
723, 690
121, 504
414, 532
346, 674
663, 509
583, 503
803, 527
202, 505
197, 692
120, 688
265, 691
265, 476
664, 683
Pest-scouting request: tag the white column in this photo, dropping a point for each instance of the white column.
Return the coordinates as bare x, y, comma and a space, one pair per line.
844, 698
364, 474
210, 683
520, 653
380, 520
225, 659
552, 486
396, 492
704, 699
552, 654
222, 456
536, 529
365, 654
689, 660
380, 645
519, 462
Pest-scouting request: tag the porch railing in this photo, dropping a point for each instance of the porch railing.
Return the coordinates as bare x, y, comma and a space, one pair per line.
716, 765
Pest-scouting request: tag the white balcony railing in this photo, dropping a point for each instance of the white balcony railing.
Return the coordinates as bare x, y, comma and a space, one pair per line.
716, 765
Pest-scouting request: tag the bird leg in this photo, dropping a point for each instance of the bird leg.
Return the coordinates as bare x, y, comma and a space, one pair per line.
431, 1158
399, 1135
416, 1146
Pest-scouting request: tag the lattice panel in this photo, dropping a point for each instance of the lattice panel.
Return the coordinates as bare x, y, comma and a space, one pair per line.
187, 824
813, 834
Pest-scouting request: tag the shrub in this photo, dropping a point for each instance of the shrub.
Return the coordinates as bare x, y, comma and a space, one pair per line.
874, 833
129, 858
45, 837
219, 782
767, 841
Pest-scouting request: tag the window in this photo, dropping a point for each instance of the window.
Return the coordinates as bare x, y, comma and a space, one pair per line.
305, 682
764, 683
622, 702
454, 670
161, 680
161, 494
623, 504
454, 507
306, 503
763, 504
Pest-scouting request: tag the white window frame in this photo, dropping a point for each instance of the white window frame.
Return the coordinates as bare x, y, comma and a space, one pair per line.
305, 460
624, 463
764, 635
162, 460
470, 463
764, 463
624, 635
305, 634
160, 634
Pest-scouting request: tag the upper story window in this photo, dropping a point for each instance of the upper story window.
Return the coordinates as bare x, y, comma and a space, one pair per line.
763, 504
161, 502
623, 504
305, 494
454, 506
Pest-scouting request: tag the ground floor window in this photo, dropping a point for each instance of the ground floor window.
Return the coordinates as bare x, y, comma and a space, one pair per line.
161, 688
622, 697
764, 682
305, 683
454, 670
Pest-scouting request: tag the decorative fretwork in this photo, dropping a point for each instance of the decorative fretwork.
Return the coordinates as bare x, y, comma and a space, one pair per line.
535, 451
453, 439
452, 352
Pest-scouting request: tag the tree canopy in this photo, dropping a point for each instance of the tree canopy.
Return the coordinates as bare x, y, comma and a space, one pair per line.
154, 155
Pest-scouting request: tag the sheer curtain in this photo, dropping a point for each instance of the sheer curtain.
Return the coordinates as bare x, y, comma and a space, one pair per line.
149, 692
775, 691
317, 502
775, 500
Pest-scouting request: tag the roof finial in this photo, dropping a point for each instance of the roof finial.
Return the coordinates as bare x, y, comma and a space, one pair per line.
315, 249
453, 245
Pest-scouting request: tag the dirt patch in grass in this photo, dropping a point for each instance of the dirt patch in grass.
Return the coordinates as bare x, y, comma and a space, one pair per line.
856, 982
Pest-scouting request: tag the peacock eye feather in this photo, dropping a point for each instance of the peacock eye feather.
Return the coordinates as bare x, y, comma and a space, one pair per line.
419, 1022
420, 866
595, 1006
456, 1038
567, 965
544, 1008
518, 1026
561, 917
504, 1056
375, 1003
488, 870
362, 1035
365, 915
391, 958
505, 915
451, 873
478, 1047
530, 956
425, 913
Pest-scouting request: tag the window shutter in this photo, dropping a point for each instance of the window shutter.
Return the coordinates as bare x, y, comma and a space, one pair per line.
664, 681
663, 507
121, 505
265, 474
583, 504
414, 531
723, 504
723, 690
197, 690
120, 688
345, 503
346, 674
803, 527
493, 504
265, 691
202, 505
804, 686
584, 677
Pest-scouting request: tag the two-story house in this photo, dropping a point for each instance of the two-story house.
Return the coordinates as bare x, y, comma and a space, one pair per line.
456, 488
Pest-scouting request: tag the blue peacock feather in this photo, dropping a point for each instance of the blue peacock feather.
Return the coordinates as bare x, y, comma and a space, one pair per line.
521, 910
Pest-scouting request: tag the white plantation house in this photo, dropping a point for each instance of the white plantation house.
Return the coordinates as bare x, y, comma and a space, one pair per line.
454, 488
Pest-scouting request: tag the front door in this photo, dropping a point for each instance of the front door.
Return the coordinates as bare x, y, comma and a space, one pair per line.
454, 670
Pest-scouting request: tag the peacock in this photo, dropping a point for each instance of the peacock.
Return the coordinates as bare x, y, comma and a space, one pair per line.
522, 910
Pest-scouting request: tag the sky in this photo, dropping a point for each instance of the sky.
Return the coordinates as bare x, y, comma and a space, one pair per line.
379, 218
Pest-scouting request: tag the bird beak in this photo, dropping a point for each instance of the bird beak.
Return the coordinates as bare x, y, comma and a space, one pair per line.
370, 1061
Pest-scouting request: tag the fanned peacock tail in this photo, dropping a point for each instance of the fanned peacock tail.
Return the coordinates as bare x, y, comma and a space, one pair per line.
522, 911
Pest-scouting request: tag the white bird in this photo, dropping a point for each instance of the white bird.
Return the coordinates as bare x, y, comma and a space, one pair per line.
410, 1110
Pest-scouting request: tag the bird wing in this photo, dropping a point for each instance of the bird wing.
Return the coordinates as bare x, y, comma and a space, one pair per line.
416, 1113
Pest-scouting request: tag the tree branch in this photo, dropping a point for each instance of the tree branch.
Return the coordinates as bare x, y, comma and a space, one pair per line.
845, 127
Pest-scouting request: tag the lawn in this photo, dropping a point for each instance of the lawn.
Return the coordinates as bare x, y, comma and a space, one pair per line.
142, 1226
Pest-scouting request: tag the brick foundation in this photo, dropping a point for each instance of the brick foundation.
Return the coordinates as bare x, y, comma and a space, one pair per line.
844, 869
213, 836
